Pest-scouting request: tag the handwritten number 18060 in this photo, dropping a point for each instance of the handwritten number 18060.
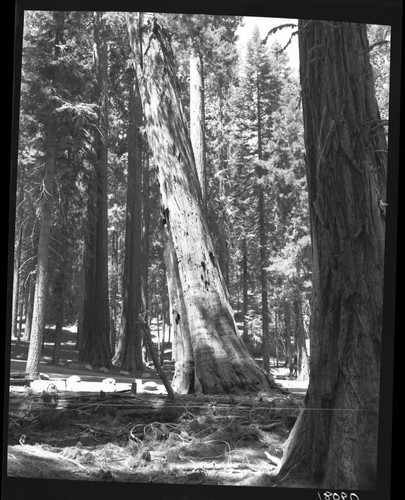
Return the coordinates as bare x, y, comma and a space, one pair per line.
327, 495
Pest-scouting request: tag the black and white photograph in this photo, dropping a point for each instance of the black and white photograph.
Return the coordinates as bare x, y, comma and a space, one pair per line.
201, 250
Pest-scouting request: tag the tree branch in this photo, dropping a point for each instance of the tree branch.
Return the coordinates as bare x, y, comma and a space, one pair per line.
277, 28
288, 43
376, 44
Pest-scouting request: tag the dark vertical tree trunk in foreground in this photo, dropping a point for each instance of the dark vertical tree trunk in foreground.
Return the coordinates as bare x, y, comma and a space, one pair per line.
334, 442
129, 351
95, 342
217, 361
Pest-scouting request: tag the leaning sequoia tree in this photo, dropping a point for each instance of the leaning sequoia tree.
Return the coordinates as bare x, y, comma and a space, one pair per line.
335, 438
210, 355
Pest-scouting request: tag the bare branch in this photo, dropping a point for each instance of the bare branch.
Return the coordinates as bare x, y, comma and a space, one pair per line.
26, 261
277, 28
288, 43
57, 253
376, 44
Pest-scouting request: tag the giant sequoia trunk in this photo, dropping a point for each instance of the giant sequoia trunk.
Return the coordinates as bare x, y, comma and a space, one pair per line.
146, 216
210, 355
95, 342
129, 351
335, 440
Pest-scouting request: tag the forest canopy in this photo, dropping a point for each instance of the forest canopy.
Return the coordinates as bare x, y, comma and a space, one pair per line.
251, 165
59, 79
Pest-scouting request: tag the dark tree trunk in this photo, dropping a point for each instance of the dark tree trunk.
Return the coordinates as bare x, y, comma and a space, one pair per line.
42, 276
287, 323
158, 339
45, 216
146, 213
146, 216
223, 244
276, 334
114, 291
29, 307
129, 351
79, 337
245, 303
263, 281
223, 249
16, 282
95, 342
335, 441
261, 209
58, 333
20, 321
162, 350
301, 350
59, 295
217, 358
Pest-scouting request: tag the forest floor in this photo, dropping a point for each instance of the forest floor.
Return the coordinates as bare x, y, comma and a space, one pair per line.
115, 434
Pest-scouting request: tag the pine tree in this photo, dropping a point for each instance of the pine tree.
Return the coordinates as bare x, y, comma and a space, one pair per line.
45, 209
256, 99
290, 258
74, 114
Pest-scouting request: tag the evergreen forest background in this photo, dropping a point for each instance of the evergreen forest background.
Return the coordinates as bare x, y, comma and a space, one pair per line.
254, 169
